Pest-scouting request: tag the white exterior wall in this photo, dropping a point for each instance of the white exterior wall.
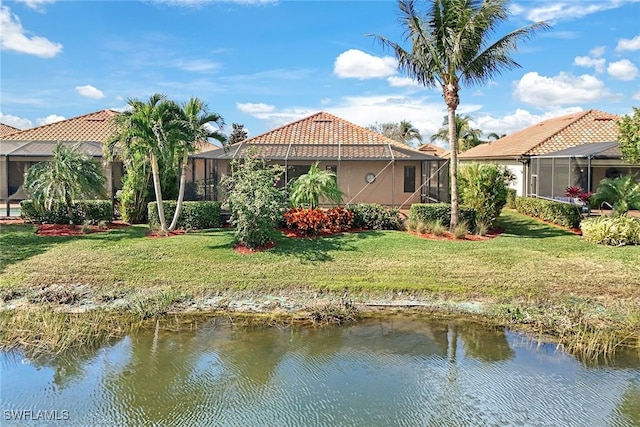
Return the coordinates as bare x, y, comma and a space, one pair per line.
516, 167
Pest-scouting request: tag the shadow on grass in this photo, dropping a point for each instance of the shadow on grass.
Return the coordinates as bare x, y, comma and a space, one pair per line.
20, 242
517, 225
318, 249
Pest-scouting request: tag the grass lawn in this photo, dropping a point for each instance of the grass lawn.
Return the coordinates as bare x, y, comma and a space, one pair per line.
531, 268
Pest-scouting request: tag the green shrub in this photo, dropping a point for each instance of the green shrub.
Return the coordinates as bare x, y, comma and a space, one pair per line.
373, 216
612, 230
432, 212
511, 198
564, 214
194, 215
92, 211
483, 187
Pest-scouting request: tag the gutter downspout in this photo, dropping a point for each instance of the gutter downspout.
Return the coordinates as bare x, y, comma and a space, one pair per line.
8, 203
393, 177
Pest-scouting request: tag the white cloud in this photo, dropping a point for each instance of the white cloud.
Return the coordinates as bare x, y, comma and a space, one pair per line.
629, 44
51, 118
325, 101
623, 70
396, 81
89, 91
597, 51
14, 37
255, 109
199, 3
357, 64
567, 10
565, 88
37, 5
518, 120
195, 65
586, 61
636, 96
15, 121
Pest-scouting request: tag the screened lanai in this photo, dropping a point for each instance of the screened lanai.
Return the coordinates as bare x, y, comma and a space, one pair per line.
381, 173
583, 166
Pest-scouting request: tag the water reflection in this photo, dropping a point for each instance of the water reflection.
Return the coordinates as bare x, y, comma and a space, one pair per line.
395, 371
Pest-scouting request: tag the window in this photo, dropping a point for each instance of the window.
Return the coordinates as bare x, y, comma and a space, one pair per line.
409, 179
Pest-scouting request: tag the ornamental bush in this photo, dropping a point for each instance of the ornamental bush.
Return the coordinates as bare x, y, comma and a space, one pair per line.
567, 215
612, 230
483, 187
313, 221
92, 211
434, 212
194, 216
373, 216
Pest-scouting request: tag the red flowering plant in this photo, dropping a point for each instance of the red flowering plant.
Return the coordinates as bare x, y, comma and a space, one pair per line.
306, 221
573, 191
339, 219
585, 197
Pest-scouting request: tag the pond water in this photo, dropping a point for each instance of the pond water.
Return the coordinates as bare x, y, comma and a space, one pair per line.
389, 372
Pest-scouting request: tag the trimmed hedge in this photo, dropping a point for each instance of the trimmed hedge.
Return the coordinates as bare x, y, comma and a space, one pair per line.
564, 214
434, 212
511, 198
373, 216
194, 215
612, 230
93, 211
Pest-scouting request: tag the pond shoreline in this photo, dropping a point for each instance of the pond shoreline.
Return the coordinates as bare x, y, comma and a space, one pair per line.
56, 319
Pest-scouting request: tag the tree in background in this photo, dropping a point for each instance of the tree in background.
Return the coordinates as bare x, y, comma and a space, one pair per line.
451, 44
69, 176
195, 124
493, 136
403, 132
468, 137
622, 193
254, 199
238, 134
629, 137
313, 186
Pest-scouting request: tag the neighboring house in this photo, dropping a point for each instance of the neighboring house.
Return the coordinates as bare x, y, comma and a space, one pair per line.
21, 149
6, 129
517, 150
370, 168
434, 150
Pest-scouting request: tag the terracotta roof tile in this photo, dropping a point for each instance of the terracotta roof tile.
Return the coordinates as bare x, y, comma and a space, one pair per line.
551, 135
94, 127
6, 129
434, 150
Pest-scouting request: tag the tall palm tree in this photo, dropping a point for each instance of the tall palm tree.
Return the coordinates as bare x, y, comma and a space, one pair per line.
150, 130
493, 136
68, 176
195, 125
450, 47
467, 136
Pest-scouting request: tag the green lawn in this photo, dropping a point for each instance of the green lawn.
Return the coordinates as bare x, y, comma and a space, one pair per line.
533, 274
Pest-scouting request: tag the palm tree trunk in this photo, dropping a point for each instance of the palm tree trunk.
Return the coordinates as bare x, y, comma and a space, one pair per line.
158, 190
69, 203
453, 167
183, 180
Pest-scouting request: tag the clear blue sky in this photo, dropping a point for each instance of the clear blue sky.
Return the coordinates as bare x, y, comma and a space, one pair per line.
267, 63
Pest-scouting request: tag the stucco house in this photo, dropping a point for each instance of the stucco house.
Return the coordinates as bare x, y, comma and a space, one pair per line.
22, 148
370, 168
517, 151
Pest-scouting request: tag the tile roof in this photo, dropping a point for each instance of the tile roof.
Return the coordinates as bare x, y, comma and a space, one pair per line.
321, 136
45, 148
433, 149
94, 127
6, 129
550, 135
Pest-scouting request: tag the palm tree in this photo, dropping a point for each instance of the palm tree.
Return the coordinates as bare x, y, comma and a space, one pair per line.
493, 136
70, 175
309, 188
238, 133
450, 46
468, 137
408, 132
150, 131
195, 125
623, 193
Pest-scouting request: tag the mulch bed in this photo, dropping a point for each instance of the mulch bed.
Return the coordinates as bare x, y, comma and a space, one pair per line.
64, 230
244, 250
469, 237
154, 234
